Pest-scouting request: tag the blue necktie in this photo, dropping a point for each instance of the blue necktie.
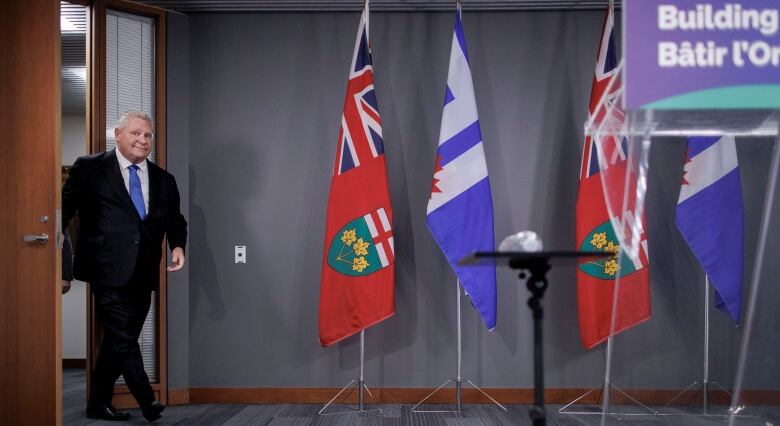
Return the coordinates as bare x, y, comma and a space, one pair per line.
136, 194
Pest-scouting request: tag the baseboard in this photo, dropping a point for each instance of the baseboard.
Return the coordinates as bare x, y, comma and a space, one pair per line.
124, 399
74, 363
470, 396
444, 396
178, 396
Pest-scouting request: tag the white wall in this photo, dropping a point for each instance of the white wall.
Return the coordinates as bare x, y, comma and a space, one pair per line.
74, 322
74, 303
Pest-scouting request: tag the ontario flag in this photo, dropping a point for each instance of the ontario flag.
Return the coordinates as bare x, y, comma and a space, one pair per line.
356, 286
596, 280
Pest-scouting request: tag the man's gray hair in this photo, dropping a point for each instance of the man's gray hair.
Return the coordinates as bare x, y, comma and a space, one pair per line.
129, 115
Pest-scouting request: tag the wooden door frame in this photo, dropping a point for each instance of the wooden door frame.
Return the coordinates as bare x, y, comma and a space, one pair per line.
96, 134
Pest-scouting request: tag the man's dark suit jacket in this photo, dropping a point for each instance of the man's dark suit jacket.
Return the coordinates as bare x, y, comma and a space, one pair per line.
114, 245
67, 257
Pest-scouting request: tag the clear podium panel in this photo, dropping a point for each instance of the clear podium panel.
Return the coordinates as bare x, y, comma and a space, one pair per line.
691, 317
757, 376
754, 123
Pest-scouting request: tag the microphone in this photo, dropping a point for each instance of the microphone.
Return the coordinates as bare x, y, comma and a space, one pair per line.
523, 241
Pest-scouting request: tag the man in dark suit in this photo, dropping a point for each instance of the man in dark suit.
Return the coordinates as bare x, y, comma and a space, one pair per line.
126, 205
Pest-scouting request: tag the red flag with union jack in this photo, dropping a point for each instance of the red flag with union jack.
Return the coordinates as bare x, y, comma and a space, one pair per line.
596, 279
356, 287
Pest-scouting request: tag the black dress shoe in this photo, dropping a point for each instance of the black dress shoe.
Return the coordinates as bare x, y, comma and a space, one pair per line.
106, 412
152, 411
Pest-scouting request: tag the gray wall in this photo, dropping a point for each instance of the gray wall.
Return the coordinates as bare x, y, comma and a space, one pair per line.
254, 108
178, 140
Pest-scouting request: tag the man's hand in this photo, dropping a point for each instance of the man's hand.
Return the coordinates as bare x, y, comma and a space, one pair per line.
177, 259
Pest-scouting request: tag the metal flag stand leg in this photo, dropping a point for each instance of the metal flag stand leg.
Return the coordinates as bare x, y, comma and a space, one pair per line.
458, 380
704, 384
360, 384
603, 391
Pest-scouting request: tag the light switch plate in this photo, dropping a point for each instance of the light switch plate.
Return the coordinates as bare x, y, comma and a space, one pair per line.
240, 254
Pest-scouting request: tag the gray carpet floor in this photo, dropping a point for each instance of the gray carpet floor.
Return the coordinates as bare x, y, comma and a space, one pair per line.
74, 390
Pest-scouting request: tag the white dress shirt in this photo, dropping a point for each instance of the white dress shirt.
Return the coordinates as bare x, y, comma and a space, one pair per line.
143, 174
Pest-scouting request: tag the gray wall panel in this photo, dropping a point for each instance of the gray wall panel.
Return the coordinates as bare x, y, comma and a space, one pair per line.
265, 98
178, 155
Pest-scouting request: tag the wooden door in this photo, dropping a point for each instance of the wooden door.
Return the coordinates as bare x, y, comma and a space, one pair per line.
30, 365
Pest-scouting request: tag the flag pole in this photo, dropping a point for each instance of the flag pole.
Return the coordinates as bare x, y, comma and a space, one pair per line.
459, 378
705, 383
362, 379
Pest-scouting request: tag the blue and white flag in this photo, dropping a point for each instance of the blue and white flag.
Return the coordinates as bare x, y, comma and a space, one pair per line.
710, 216
460, 209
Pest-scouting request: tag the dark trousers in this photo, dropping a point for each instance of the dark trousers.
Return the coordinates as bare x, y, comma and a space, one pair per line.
122, 312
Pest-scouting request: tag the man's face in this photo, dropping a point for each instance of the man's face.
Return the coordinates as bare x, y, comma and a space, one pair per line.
134, 141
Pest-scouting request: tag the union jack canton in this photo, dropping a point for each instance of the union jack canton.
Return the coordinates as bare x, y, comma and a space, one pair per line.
615, 148
360, 137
